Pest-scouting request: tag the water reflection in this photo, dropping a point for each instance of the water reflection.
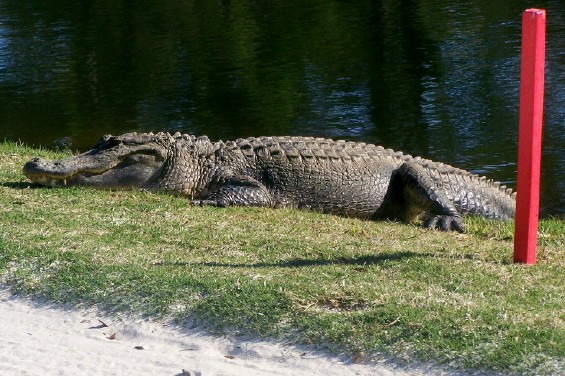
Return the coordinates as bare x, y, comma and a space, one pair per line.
435, 78
344, 104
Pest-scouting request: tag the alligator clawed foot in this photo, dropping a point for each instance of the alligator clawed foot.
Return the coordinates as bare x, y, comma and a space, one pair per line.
444, 223
208, 203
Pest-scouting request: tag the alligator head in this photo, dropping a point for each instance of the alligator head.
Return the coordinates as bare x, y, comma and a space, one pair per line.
122, 162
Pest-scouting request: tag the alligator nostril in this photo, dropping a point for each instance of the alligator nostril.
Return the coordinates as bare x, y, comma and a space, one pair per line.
35, 159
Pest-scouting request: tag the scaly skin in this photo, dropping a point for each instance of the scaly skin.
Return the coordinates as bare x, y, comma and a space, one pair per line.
338, 177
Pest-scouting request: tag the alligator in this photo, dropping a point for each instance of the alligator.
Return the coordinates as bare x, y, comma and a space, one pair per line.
340, 177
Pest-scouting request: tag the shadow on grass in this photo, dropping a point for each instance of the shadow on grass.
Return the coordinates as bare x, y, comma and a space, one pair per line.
21, 185
299, 263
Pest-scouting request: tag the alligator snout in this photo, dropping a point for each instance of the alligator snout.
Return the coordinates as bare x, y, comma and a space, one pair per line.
32, 165
41, 167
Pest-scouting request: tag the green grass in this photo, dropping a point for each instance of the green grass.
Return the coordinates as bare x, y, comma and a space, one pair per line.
366, 289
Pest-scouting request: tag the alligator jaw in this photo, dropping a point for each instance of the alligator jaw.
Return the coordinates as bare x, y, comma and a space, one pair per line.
121, 167
51, 181
55, 174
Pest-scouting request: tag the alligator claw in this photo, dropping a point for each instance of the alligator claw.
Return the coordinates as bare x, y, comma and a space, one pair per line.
208, 202
444, 223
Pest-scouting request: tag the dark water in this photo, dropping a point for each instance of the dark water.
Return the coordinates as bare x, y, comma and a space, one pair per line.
432, 78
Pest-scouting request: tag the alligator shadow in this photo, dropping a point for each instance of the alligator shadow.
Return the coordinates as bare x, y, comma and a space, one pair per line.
20, 185
300, 262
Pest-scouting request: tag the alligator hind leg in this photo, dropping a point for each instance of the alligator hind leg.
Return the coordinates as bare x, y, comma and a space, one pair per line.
421, 192
239, 191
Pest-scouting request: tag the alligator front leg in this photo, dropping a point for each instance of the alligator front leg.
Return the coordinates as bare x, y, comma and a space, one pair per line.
239, 191
421, 192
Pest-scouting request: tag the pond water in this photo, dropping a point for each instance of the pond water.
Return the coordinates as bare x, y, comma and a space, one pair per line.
433, 78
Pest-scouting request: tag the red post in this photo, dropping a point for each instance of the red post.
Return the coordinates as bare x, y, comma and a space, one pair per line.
529, 137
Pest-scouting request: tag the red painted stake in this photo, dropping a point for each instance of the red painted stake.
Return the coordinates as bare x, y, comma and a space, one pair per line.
529, 137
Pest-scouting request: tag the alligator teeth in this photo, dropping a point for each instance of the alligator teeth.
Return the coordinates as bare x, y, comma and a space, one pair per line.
64, 181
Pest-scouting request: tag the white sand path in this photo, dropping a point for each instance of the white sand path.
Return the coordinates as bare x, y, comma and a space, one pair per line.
40, 339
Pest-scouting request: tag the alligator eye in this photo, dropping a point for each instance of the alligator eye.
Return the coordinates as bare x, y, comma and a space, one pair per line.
104, 142
112, 141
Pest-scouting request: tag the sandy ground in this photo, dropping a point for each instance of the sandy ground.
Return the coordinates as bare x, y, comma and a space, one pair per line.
40, 339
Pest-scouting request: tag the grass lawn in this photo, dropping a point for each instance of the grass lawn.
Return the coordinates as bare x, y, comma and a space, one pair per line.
366, 289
